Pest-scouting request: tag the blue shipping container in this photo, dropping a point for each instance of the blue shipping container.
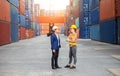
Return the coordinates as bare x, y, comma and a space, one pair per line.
28, 23
14, 2
14, 33
118, 30
108, 31
93, 4
84, 19
94, 17
83, 5
22, 20
14, 14
95, 32
28, 14
84, 32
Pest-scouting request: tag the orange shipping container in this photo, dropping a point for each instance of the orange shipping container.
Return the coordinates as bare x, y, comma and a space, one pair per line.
22, 7
4, 33
4, 10
118, 8
107, 9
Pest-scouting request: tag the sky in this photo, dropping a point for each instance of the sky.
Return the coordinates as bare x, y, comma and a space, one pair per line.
52, 4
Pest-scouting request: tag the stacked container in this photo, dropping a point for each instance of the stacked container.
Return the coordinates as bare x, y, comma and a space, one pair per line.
84, 19
94, 20
109, 21
14, 20
5, 36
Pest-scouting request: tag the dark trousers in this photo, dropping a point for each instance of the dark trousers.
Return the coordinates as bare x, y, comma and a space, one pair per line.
54, 59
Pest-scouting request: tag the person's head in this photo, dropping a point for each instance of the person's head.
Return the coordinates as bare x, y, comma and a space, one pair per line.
55, 29
73, 29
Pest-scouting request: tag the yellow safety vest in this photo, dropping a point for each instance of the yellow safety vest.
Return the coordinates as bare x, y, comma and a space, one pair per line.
71, 37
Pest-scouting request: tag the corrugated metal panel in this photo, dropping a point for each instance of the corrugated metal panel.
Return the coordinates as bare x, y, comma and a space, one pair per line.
14, 14
4, 10
93, 4
107, 9
14, 2
22, 7
108, 31
94, 17
4, 33
95, 32
14, 33
118, 30
84, 32
22, 20
84, 18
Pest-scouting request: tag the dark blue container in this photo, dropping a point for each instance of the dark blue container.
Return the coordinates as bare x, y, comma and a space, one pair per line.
14, 2
28, 23
14, 14
14, 33
108, 31
83, 5
22, 20
94, 16
84, 32
93, 4
95, 32
28, 14
118, 21
84, 19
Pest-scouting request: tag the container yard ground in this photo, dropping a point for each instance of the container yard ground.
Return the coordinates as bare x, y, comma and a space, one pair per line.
32, 58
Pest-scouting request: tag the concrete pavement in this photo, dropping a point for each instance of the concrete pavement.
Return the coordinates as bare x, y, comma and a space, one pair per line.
32, 58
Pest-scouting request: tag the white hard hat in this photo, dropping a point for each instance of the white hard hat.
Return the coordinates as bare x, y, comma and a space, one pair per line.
54, 28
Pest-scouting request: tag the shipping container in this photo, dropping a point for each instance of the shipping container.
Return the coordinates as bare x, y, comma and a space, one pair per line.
14, 14
117, 8
28, 23
22, 20
28, 4
28, 14
14, 2
77, 22
33, 25
84, 5
107, 9
4, 32
95, 32
94, 16
22, 7
22, 33
14, 33
84, 32
4, 10
108, 31
118, 21
93, 4
84, 19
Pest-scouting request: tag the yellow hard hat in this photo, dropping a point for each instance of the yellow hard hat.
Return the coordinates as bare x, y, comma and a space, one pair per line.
73, 27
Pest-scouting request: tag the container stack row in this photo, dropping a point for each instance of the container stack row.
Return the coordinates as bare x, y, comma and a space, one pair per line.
14, 24
94, 18
84, 19
110, 21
